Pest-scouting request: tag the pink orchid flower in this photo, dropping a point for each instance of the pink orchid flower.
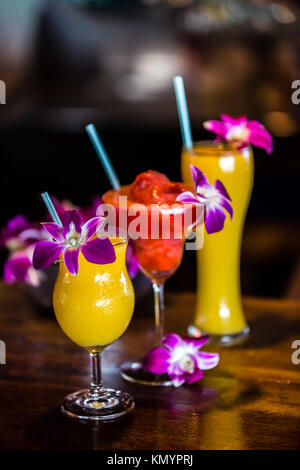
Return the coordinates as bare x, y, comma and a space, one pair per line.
214, 198
241, 132
18, 268
181, 359
20, 233
88, 213
70, 239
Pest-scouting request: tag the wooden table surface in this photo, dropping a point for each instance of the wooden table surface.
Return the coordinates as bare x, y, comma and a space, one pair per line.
250, 401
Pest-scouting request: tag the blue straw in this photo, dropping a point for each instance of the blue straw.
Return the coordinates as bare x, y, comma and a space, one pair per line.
51, 208
103, 157
183, 112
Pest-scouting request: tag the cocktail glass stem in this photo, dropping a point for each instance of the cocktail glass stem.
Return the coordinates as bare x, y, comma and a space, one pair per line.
97, 403
96, 388
134, 371
158, 289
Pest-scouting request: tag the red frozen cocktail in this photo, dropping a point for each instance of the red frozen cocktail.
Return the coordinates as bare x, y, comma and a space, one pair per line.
158, 226
160, 235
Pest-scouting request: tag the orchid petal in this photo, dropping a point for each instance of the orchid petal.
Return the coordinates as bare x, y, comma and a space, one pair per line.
233, 121
8, 274
177, 380
33, 277
199, 177
194, 377
14, 227
71, 260
99, 251
45, 253
219, 186
16, 269
54, 230
215, 218
171, 340
71, 221
17, 224
187, 197
207, 360
227, 206
32, 235
90, 228
263, 139
197, 342
157, 361
217, 127
255, 126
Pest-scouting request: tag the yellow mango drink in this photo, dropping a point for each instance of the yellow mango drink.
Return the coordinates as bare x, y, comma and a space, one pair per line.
219, 308
95, 307
93, 301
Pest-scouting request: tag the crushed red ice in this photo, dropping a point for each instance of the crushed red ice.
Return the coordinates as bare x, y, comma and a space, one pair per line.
152, 187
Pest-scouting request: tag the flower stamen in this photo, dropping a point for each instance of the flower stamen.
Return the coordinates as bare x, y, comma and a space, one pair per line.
187, 364
73, 242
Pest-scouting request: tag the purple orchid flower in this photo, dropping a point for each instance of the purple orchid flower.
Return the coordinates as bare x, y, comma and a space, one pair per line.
18, 268
241, 132
214, 197
20, 233
70, 239
181, 359
93, 211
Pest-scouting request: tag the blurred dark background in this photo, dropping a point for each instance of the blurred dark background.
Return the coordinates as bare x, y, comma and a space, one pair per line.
68, 63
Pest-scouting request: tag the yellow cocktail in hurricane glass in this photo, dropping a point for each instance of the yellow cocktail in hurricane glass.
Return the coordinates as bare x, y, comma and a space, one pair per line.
93, 302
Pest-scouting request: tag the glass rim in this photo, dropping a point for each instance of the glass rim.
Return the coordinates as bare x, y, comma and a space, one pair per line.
123, 238
217, 148
122, 242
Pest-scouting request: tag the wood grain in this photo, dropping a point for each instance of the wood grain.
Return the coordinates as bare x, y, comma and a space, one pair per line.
251, 401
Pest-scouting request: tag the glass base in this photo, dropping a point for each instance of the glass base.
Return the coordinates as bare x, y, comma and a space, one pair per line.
112, 404
221, 340
134, 372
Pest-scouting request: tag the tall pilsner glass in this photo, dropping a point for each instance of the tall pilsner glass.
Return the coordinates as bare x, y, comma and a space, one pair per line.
219, 309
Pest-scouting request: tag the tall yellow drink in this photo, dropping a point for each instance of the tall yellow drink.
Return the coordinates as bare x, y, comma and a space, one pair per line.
219, 308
